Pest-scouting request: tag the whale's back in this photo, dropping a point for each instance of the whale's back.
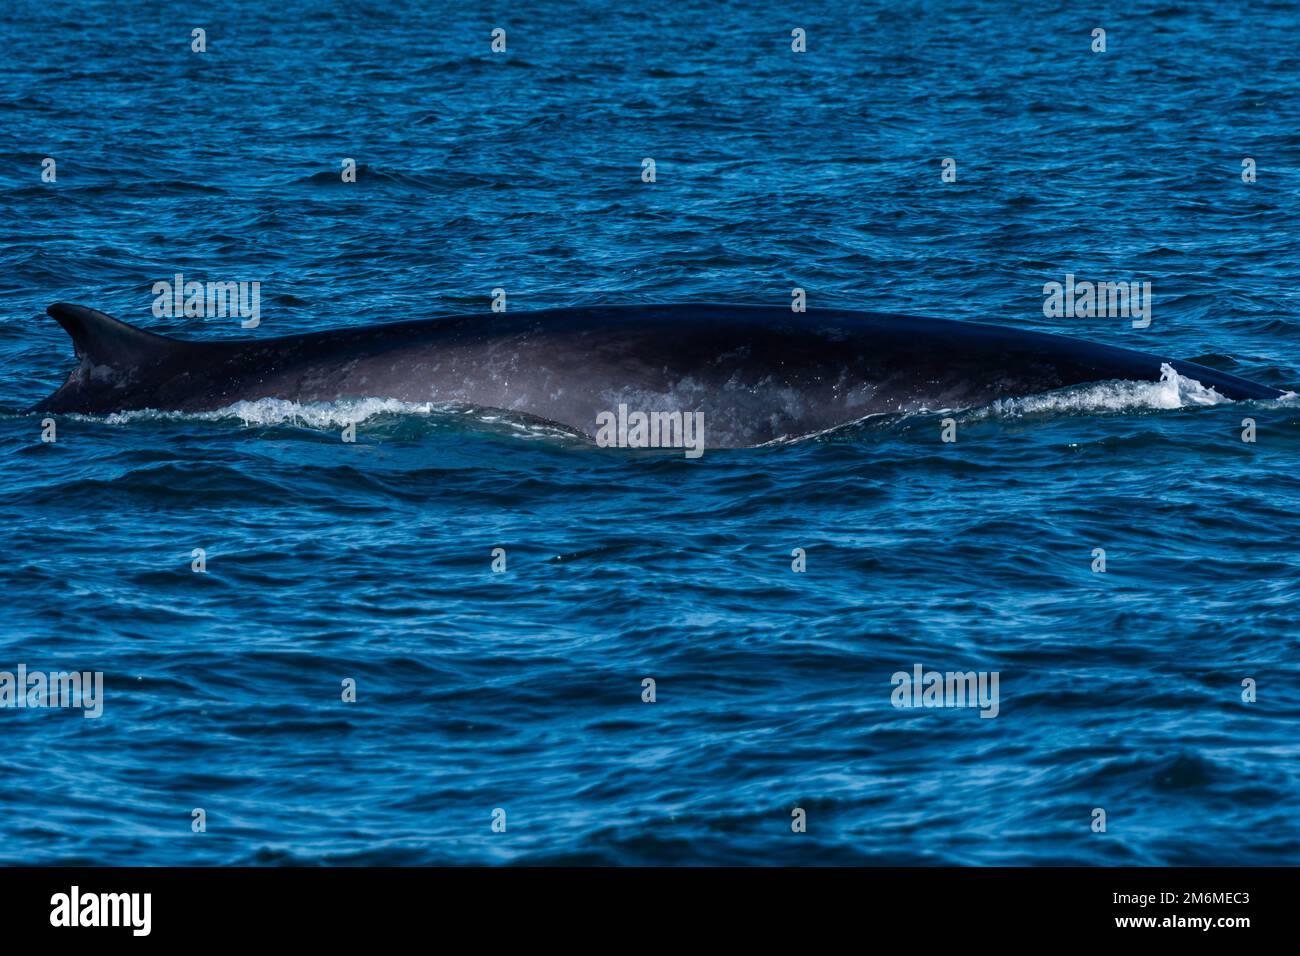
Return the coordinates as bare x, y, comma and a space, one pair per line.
757, 373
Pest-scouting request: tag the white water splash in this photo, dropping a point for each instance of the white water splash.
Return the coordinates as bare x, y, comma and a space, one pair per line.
279, 411
1172, 391
331, 416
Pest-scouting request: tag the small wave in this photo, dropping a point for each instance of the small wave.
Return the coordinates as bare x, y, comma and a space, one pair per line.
369, 175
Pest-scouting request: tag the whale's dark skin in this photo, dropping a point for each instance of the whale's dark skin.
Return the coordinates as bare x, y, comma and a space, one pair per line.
757, 373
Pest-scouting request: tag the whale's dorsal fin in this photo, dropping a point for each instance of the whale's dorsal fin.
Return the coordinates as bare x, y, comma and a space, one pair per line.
103, 340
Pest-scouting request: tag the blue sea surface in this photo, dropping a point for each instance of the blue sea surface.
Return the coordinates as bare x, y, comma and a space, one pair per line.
522, 690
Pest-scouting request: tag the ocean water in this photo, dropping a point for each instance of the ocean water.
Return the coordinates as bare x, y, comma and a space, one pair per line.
521, 690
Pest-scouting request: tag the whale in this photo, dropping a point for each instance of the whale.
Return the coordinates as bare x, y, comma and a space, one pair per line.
755, 373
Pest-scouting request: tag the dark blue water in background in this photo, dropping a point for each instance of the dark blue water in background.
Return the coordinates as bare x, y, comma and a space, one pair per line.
522, 690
